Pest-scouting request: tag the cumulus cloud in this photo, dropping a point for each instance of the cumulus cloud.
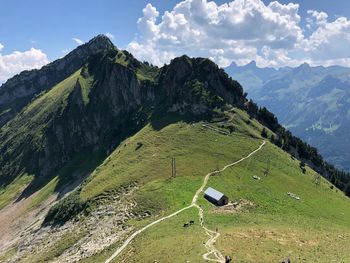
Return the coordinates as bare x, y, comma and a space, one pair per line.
1, 46
17, 61
330, 41
316, 18
78, 41
224, 32
240, 31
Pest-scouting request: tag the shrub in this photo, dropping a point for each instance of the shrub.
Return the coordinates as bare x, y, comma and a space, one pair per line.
66, 210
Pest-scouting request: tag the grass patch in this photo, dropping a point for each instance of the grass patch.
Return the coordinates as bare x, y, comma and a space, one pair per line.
86, 85
274, 243
10, 192
44, 193
145, 72
8, 254
171, 242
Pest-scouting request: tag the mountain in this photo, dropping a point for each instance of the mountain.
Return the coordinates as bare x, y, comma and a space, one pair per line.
110, 163
312, 102
18, 91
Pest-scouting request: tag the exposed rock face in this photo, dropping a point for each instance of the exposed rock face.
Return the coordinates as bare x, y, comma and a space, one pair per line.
100, 124
22, 88
197, 85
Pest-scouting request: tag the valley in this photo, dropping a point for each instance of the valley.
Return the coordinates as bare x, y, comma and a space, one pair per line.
319, 110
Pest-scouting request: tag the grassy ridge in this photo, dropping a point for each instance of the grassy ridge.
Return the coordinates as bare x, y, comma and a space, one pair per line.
276, 227
193, 146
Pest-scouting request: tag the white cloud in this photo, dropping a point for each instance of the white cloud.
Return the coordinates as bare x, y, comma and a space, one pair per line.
316, 18
109, 35
240, 31
17, 61
330, 40
201, 27
1, 46
78, 41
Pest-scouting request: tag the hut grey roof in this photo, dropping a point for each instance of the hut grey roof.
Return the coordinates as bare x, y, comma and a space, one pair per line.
213, 193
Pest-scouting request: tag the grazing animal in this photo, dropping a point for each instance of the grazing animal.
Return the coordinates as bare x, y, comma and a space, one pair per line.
191, 222
228, 259
186, 225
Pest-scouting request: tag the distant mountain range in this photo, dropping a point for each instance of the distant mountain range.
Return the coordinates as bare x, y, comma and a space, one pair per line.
312, 102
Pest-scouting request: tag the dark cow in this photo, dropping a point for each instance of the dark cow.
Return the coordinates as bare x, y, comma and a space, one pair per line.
228, 259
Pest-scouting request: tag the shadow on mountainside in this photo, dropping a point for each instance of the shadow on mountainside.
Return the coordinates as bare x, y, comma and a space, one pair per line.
71, 175
161, 119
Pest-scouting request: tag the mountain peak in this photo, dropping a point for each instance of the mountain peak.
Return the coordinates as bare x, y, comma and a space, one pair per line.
251, 65
100, 42
22, 88
304, 65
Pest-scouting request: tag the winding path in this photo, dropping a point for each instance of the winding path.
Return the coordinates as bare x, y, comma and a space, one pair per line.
211, 250
218, 257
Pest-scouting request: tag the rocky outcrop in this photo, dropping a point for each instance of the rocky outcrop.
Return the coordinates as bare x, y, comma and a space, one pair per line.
197, 85
18, 91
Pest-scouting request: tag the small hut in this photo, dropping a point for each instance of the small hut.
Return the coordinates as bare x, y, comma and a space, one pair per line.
215, 197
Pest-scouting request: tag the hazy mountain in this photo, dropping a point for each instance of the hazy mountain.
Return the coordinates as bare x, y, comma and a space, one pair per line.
312, 102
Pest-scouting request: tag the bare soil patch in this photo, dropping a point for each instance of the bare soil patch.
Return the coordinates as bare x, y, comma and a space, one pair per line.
234, 207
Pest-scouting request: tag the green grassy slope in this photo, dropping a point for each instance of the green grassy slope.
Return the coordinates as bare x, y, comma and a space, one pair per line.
10, 192
25, 135
276, 226
26, 127
316, 228
25, 140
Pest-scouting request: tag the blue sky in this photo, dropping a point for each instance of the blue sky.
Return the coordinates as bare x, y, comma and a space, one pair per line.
50, 26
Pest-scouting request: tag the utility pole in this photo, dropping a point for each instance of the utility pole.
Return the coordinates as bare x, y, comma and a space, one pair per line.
217, 168
267, 169
173, 167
